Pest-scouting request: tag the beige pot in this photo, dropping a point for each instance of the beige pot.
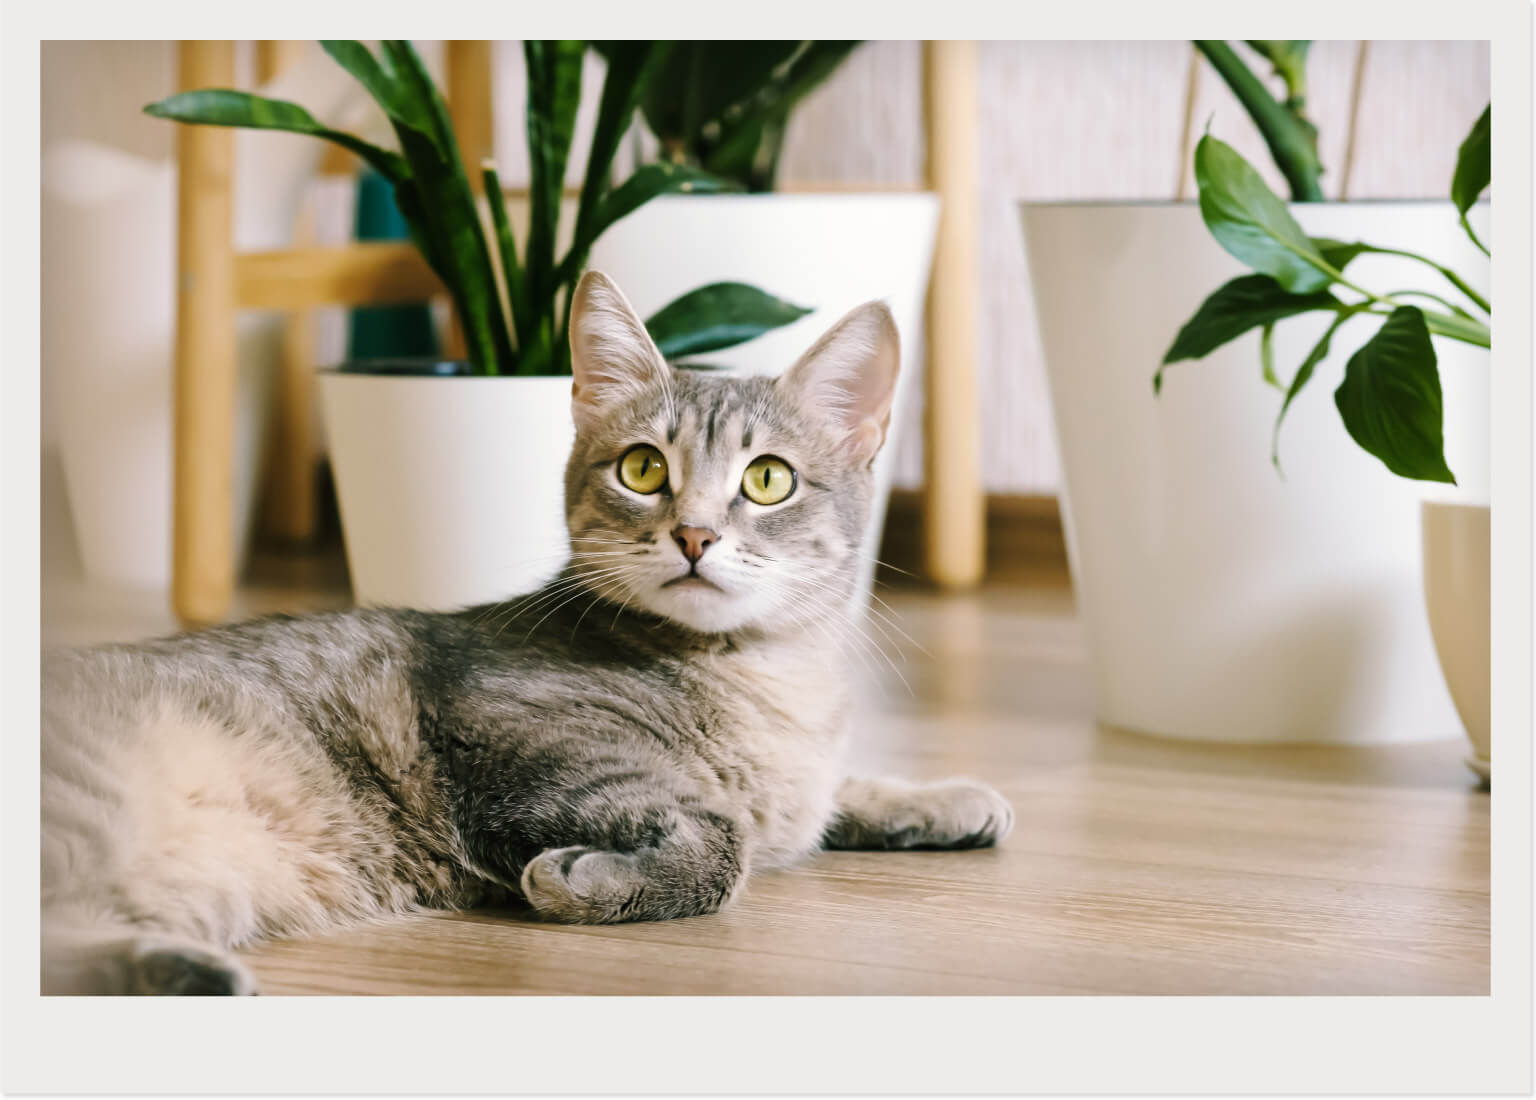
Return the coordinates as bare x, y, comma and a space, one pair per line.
1456, 590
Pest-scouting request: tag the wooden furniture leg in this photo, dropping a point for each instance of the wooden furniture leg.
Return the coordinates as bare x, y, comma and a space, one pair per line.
954, 506
291, 508
468, 62
203, 552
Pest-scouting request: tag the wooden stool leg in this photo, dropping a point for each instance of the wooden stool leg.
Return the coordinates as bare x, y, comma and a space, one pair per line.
469, 63
954, 506
203, 561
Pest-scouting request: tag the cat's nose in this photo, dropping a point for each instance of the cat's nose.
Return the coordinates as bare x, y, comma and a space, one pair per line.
693, 541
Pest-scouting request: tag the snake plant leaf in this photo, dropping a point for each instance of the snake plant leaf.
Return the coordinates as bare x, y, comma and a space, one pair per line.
1474, 168
223, 107
1390, 399
644, 185
631, 67
445, 205
382, 85
719, 315
1251, 223
511, 269
1304, 373
554, 92
1244, 303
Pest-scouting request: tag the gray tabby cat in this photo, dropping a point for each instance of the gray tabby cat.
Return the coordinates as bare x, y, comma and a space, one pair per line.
625, 744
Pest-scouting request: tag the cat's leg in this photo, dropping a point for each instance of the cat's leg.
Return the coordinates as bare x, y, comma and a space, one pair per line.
892, 813
694, 863
121, 959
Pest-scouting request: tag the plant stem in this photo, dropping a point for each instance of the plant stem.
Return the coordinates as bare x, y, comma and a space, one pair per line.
1454, 279
1481, 247
1294, 149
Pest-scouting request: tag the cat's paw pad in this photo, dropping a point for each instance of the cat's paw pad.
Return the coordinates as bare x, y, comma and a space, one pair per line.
582, 885
168, 969
964, 814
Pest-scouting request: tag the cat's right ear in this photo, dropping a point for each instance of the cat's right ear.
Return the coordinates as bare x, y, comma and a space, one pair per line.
613, 357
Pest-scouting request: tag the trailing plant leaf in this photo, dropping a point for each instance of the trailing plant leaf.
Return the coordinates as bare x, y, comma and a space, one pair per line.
720, 315
1242, 304
1338, 254
1390, 398
1251, 223
222, 107
1474, 170
1318, 353
554, 93
1267, 356
1291, 137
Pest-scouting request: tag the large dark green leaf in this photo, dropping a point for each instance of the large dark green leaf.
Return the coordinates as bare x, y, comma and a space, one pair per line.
1390, 399
222, 107
1251, 223
1242, 304
554, 93
646, 183
1318, 353
1474, 169
720, 315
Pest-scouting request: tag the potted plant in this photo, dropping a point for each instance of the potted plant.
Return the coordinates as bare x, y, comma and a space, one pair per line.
449, 475
724, 107
1223, 599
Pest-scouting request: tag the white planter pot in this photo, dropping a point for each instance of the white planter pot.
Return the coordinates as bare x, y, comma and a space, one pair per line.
828, 252
1456, 591
451, 490
1222, 601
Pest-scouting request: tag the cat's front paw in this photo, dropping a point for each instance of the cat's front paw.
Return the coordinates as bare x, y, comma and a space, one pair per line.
964, 814
580, 885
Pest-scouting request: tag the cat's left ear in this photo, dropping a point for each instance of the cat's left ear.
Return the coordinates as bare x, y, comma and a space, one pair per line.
849, 376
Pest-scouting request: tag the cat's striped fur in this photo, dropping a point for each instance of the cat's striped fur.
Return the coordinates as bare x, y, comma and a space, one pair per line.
618, 746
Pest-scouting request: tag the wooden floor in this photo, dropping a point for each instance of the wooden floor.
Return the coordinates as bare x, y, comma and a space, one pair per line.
1138, 866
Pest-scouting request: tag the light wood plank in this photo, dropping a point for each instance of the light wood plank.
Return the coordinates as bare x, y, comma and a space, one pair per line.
203, 556
954, 542
357, 274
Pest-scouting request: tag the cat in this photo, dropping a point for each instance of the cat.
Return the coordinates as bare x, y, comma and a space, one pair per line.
625, 744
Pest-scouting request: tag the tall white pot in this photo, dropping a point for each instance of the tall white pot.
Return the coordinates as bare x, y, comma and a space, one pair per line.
451, 489
1221, 600
828, 252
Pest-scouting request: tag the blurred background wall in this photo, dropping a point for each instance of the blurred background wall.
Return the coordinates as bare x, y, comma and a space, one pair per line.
1060, 121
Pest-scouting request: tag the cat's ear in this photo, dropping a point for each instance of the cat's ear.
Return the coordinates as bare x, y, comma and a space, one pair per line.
613, 358
849, 376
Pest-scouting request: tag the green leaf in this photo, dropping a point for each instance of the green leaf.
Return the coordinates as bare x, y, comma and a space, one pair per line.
401, 108
720, 315
441, 203
1291, 137
1338, 254
1242, 304
643, 186
1474, 168
1267, 356
1390, 399
1251, 223
554, 93
512, 272
1318, 353
222, 107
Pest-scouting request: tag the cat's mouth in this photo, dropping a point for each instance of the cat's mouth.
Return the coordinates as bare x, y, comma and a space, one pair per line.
691, 579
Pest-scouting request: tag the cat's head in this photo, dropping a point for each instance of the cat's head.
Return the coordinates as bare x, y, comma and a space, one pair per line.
723, 502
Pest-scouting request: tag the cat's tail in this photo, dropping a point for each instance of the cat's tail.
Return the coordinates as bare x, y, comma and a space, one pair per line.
84, 956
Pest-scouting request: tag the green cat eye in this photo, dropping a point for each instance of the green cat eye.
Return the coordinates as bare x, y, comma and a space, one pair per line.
768, 480
643, 469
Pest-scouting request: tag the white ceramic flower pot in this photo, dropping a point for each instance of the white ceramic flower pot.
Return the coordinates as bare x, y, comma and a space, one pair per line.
1457, 593
451, 489
1221, 600
828, 252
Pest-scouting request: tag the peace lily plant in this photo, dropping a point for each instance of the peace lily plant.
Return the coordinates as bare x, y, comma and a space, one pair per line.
1390, 399
432, 189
